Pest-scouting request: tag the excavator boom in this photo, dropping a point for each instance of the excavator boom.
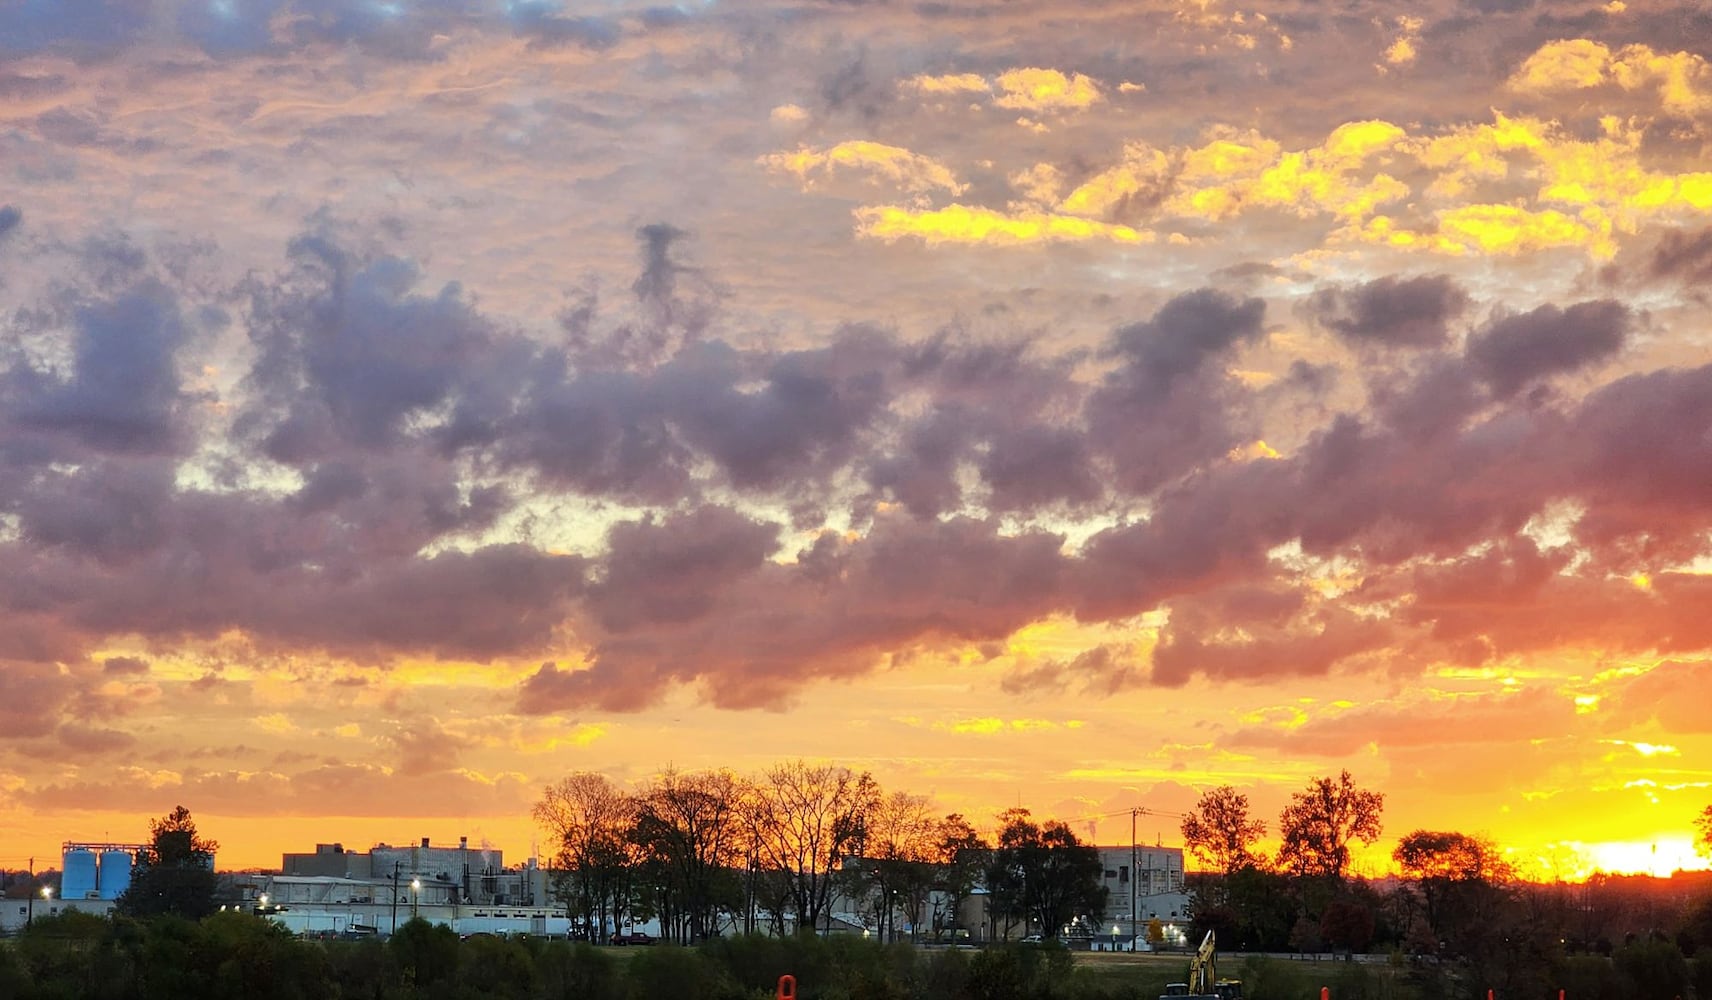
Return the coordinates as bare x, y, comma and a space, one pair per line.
1204, 983
1201, 968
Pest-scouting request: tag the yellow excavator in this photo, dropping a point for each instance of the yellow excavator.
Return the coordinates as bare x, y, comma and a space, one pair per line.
1204, 983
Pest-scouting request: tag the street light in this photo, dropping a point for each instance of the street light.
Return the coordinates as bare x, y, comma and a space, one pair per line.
415, 894
263, 900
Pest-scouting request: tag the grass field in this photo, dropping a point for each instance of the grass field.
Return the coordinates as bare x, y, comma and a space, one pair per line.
1147, 972
1262, 978
1144, 975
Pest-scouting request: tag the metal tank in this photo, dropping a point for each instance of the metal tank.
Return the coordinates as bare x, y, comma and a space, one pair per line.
78, 877
115, 873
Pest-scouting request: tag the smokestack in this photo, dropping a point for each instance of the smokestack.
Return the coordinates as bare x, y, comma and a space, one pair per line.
424, 841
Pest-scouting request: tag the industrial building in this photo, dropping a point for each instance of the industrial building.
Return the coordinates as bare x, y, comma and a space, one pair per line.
461, 874
93, 876
335, 891
96, 871
1142, 884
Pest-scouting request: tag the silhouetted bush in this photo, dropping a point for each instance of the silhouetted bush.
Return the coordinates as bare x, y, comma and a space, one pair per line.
1652, 970
14, 980
1590, 977
361, 970
241, 956
427, 954
680, 973
1701, 973
496, 967
577, 971
1271, 979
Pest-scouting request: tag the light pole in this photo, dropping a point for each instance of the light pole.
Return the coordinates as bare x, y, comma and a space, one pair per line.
415, 894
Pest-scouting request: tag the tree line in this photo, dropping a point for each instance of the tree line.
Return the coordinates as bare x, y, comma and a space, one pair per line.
704, 852
734, 865
1457, 910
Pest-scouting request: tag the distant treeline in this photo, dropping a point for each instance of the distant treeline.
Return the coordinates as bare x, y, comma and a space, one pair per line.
238, 956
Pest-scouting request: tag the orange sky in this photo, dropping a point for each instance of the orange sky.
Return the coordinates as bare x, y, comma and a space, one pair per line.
1075, 405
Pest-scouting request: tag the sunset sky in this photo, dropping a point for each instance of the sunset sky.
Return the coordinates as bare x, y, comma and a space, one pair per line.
1074, 404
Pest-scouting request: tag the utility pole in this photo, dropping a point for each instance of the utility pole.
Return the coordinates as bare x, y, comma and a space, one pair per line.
395, 866
1134, 876
30, 906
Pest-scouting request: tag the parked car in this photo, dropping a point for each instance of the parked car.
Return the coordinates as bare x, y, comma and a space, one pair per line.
634, 937
1032, 939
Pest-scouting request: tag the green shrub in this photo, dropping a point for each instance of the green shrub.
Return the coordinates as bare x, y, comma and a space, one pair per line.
577, 971
496, 967
1270, 979
1652, 970
360, 970
14, 979
1590, 977
426, 953
755, 962
678, 973
74, 954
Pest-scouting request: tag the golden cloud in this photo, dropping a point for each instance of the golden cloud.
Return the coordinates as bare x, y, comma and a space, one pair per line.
1032, 89
1511, 229
275, 722
1040, 184
1239, 28
951, 83
989, 725
1514, 185
1402, 51
1225, 176
974, 224
1145, 171
1047, 90
1584, 191
1682, 80
911, 172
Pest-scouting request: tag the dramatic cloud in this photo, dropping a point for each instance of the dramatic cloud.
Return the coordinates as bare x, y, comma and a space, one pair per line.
1391, 311
401, 404
1686, 257
1516, 350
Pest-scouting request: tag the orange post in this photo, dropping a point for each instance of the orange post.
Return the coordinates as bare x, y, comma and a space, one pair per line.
1325, 993
1489, 995
787, 988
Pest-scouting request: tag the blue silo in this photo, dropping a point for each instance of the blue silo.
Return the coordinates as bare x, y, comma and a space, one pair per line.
77, 879
115, 873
